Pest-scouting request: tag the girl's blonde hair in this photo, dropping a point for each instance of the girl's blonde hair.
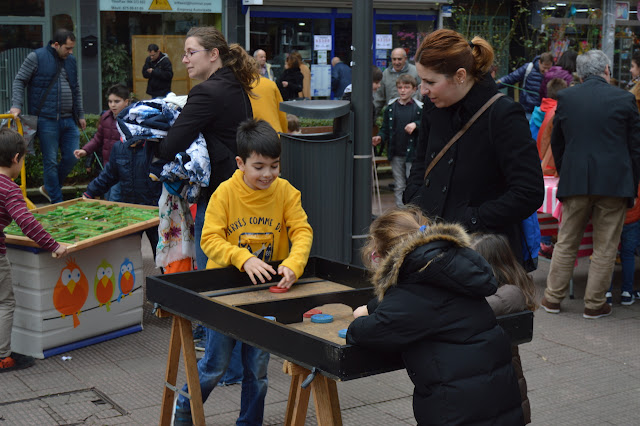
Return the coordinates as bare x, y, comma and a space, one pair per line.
496, 251
391, 228
233, 56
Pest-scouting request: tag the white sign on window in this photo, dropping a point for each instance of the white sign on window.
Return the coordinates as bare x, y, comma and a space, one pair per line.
321, 42
322, 57
320, 80
384, 41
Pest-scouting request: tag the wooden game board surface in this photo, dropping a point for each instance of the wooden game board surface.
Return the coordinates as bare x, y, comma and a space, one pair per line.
342, 317
295, 291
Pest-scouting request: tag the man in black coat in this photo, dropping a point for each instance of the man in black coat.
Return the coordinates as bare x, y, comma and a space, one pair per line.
157, 68
596, 147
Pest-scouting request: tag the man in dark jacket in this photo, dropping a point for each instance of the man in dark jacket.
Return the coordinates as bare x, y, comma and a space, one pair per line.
596, 148
51, 76
340, 77
529, 76
157, 68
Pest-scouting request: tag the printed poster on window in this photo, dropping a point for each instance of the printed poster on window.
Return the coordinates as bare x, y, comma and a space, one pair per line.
384, 41
322, 42
320, 80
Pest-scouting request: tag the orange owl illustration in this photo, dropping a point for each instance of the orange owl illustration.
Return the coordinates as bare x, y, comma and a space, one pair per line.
71, 291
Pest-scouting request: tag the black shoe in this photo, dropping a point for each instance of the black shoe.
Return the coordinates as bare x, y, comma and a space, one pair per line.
15, 361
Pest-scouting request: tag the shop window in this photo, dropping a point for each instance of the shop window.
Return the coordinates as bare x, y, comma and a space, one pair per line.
22, 8
405, 34
15, 36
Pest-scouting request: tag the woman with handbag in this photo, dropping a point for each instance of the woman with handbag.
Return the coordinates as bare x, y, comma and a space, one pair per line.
476, 163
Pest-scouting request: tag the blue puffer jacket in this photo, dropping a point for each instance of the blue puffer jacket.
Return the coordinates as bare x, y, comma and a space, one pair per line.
48, 61
531, 98
129, 165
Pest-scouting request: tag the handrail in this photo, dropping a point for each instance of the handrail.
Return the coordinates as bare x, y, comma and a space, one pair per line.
23, 171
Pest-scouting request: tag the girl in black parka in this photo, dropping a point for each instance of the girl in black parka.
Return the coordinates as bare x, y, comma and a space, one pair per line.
431, 306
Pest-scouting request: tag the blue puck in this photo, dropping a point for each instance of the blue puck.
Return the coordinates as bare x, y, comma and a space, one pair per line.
270, 318
322, 318
342, 333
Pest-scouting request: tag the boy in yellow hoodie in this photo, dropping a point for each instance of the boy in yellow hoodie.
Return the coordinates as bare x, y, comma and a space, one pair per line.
250, 220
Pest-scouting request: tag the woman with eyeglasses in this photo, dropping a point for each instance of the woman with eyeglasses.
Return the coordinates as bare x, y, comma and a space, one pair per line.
215, 107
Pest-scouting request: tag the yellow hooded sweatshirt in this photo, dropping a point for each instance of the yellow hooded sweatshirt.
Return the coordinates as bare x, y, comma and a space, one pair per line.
241, 222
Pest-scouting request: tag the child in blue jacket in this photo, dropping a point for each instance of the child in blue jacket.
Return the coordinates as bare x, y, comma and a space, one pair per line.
129, 165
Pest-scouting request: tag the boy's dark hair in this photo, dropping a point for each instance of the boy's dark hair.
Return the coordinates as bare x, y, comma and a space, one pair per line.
406, 79
293, 123
61, 36
376, 74
11, 143
120, 90
257, 136
152, 48
554, 86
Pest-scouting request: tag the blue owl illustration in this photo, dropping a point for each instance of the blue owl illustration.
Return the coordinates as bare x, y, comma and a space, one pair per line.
126, 278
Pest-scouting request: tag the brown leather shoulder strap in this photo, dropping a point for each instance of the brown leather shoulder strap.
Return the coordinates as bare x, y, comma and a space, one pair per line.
461, 132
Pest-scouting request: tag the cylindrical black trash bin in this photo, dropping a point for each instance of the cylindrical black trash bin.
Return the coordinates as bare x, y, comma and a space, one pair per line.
321, 166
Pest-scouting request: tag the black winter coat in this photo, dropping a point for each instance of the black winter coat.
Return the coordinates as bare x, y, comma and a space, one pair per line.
596, 140
160, 79
490, 179
129, 165
293, 77
432, 288
214, 108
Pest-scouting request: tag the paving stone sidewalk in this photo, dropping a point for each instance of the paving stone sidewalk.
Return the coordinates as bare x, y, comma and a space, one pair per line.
579, 372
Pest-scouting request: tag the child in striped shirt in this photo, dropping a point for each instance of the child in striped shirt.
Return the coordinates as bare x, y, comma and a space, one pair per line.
13, 207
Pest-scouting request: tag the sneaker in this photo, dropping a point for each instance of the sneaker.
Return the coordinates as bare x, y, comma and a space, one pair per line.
552, 308
44, 192
15, 361
636, 294
609, 298
626, 298
546, 250
181, 418
603, 311
201, 344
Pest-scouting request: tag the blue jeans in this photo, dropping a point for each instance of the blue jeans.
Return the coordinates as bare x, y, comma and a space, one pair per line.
57, 135
212, 367
201, 258
235, 370
629, 240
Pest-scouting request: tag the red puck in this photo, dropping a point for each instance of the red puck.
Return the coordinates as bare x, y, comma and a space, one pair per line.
311, 312
276, 289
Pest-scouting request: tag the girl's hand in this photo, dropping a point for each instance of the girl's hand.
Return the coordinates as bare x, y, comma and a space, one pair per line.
79, 153
60, 252
409, 128
255, 267
376, 140
361, 311
288, 277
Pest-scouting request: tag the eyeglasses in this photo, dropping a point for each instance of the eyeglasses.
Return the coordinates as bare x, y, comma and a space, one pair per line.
190, 53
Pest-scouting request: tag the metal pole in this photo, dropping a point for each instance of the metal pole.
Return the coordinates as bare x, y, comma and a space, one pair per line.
608, 29
247, 30
362, 16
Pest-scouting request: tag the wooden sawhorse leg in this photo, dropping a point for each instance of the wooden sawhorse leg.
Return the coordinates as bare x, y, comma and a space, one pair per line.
181, 336
325, 397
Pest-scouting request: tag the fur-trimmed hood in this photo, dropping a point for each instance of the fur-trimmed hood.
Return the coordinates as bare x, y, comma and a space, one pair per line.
439, 256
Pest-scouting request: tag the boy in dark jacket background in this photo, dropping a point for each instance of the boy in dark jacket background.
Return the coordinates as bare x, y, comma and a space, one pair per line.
400, 128
107, 134
129, 166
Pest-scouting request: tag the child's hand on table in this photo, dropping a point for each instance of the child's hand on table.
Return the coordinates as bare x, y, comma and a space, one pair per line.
288, 277
60, 252
361, 311
255, 267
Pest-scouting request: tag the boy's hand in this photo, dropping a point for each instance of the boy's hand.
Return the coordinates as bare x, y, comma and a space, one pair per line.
288, 277
409, 128
361, 311
79, 153
255, 267
376, 140
60, 252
